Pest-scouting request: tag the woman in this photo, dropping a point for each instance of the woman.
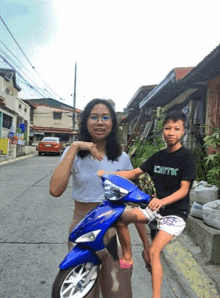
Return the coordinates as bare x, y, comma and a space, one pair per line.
98, 148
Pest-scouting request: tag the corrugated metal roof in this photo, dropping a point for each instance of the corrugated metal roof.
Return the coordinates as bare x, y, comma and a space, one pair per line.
199, 76
160, 95
52, 129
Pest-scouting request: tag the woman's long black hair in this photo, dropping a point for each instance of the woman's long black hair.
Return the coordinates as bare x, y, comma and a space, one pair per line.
113, 147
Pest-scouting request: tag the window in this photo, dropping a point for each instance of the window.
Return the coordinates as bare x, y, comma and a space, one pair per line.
19, 106
32, 115
7, 91
57, 115
7, 121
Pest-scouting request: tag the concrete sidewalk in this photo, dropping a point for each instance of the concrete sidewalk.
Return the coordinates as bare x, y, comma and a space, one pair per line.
18, 158
190, 269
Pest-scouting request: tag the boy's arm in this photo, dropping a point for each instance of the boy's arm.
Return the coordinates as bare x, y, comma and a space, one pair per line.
131, 175
156, 204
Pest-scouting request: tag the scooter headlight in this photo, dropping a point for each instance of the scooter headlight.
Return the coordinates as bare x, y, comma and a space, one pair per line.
113, 192
89, 237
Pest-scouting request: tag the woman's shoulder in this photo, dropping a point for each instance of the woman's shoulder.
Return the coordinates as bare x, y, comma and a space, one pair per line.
124, 155
64, 153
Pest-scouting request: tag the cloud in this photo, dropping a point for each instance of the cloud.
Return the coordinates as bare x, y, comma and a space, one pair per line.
118, 45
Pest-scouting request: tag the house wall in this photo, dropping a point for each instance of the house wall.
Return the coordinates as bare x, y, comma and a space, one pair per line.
123, 133
4, 131
44, 117
213, 103
13, 93
14, 107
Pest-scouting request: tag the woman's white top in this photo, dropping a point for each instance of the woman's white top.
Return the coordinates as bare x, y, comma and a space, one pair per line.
86, 184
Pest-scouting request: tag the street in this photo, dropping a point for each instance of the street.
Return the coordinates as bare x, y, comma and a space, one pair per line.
34, 232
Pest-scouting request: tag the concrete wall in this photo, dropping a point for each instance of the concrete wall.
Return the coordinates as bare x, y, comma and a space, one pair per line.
43, 116
30, 150
207, 238
12, 151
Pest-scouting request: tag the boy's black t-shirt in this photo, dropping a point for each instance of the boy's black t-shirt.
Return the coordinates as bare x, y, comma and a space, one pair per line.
167, 170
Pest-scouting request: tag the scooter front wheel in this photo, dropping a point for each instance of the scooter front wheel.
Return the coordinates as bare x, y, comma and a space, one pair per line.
75, 282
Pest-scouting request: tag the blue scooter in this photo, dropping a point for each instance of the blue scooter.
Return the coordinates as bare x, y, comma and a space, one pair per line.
80, 268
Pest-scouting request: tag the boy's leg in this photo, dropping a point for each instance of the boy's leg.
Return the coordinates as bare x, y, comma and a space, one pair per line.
129, 216
161, 239
169, 227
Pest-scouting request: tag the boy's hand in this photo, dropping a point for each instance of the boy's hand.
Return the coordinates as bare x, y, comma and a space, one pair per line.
100, 173
155, 204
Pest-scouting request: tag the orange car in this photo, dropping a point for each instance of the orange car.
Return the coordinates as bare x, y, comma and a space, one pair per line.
50, 145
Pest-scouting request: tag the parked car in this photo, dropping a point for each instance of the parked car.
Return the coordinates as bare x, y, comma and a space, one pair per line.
50, 145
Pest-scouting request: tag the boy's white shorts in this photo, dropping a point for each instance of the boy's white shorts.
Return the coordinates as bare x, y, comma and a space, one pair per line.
172, 224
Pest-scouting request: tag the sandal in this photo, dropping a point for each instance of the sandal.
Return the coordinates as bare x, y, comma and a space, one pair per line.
124, 265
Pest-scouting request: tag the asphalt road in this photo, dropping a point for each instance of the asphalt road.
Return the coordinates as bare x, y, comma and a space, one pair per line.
34, 231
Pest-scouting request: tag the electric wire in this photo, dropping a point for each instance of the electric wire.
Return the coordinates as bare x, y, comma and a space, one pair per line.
26, 82
20, 68
11, 66
27, 57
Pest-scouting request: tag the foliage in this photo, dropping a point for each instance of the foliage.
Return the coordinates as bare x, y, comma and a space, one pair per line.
212, 160
1, 153
202, 169
208, 164
213, 140
141, 150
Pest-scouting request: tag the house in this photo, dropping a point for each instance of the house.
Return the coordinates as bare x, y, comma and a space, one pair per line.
49, 117
14, 112
133, 121
197, 93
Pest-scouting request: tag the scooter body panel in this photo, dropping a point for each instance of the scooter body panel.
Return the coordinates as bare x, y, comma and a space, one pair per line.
100, 218
135, 195
77, 256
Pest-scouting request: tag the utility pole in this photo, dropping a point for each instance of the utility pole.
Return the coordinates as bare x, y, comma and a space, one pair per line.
74, 99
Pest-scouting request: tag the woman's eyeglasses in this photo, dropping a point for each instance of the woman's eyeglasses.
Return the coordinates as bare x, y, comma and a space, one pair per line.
105, 118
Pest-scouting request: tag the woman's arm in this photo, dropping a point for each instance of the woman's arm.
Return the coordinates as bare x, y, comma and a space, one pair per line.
62, 173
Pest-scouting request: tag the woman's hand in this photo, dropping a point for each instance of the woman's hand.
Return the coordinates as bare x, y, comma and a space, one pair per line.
155, 204
91, 147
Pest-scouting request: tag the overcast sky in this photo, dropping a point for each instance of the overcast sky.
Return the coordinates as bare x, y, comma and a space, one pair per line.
118, 45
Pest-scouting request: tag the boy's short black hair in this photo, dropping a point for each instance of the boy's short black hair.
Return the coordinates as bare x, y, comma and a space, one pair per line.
175, 116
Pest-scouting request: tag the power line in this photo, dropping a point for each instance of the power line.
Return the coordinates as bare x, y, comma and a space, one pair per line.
27, 57
26, 82
16, 41
14, 55
18, 73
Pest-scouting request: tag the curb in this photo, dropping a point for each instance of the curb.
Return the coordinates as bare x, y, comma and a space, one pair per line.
187, 273
17, 159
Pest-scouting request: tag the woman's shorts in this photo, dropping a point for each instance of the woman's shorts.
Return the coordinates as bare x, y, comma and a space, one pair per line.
172, 224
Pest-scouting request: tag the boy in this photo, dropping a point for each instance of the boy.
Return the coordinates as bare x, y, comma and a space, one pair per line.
173, 170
